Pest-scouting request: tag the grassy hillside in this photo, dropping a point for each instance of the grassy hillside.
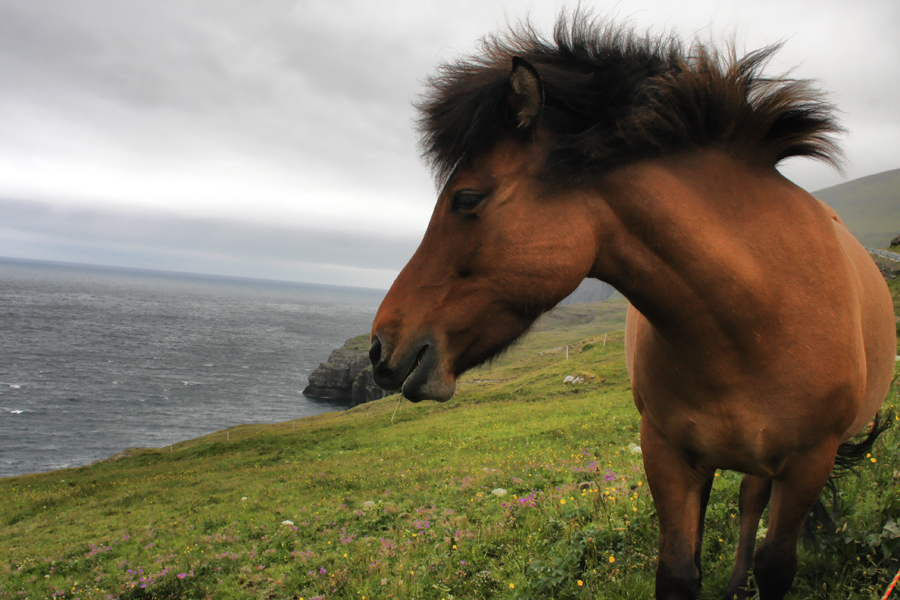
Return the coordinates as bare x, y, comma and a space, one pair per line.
870, 206
522, 486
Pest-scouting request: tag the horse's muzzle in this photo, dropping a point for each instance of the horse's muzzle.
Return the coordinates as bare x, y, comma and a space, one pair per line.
417, 371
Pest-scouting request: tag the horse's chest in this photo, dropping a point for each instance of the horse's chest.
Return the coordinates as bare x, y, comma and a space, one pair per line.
749, 445
726, 411
739, 430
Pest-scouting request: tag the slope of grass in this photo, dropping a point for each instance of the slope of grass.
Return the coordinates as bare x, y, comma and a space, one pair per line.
520, 487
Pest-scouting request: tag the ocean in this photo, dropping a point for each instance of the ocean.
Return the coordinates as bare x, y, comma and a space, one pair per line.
95, 360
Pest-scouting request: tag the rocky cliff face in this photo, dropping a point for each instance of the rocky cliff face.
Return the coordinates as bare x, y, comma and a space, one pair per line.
346, 375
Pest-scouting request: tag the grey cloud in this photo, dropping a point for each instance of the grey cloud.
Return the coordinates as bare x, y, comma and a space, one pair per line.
228, 240
311, 96
267, 82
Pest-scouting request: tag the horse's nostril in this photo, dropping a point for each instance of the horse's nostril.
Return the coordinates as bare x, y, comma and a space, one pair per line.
375, 351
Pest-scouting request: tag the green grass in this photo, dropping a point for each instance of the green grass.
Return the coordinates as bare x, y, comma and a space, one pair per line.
395, 500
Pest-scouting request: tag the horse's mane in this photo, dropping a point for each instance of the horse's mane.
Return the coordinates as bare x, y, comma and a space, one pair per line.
612, 96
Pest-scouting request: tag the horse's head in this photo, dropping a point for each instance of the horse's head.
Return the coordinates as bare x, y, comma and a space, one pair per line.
501, 248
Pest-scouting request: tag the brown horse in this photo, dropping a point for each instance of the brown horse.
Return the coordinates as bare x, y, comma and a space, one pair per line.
760, 334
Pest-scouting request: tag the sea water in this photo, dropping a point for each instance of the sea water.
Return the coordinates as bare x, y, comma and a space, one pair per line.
96, 360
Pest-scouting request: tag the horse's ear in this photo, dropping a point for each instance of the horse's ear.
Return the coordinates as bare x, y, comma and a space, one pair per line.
526, 93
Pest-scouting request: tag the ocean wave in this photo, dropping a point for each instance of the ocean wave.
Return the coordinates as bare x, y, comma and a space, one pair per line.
158, 381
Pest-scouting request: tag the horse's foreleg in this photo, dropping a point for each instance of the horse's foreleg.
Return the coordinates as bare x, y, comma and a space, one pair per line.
701, 523
755, 493
679, 493
794, 491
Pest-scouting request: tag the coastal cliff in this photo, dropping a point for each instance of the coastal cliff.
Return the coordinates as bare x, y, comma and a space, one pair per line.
346, 376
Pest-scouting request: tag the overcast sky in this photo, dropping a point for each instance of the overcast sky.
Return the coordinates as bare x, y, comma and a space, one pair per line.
275, 139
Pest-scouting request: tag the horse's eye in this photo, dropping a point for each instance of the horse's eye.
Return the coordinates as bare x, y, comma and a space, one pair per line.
466, 200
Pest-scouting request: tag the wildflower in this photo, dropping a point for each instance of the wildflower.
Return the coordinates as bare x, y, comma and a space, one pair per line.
580, 583
512, 586
562, 500
612, 559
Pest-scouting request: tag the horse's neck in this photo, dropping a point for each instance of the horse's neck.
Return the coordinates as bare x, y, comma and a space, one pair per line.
701, 244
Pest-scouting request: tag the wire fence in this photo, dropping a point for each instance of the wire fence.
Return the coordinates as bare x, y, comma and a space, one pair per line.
884, 253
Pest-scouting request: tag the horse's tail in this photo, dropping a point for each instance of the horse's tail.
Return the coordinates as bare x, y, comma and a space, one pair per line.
849, 456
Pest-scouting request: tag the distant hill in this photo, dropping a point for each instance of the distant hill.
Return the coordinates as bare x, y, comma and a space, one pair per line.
870, 206
590, 290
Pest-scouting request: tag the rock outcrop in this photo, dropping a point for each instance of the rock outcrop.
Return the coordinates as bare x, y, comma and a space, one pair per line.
346, 376
889, 270
364, 387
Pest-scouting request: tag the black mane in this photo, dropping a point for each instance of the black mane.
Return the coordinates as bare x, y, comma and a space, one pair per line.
612, 97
